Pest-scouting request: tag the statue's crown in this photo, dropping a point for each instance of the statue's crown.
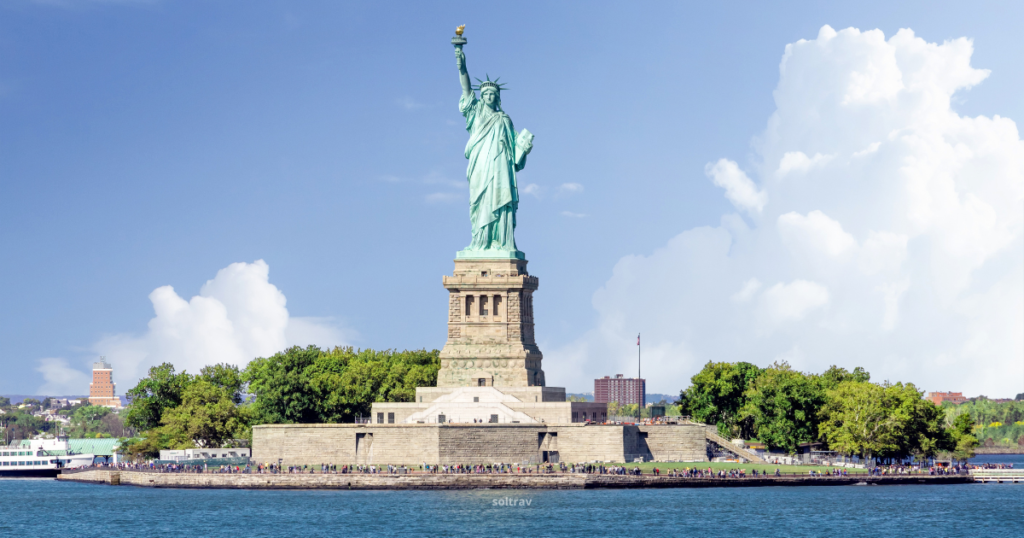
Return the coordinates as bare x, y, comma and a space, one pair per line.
490, 84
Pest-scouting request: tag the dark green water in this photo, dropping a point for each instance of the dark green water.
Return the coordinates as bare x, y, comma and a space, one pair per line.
41, 507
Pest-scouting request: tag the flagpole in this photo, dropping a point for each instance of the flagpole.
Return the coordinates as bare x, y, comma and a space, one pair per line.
639, 384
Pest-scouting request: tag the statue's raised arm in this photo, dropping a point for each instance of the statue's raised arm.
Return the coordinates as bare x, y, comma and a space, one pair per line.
460, 61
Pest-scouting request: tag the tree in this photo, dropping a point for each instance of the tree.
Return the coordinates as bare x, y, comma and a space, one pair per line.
281, 384
207, 417
21, 425
962, 440
782, 407
5, 402
855, 420
225, 376
886, 421
716, 395
162, 389
308, 385
89, 420
836, 375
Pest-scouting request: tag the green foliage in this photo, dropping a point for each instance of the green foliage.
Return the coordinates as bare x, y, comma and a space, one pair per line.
886, 421
314, 386
716, 396
576, 399
89, 420
781, 406
207, 417
961, 437
5, 402
836, 375
21, 425
299, 385
162, 389
1002, 421
225, 376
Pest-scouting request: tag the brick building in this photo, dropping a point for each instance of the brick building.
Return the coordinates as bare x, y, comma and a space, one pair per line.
102, 388
938, 397
625, 390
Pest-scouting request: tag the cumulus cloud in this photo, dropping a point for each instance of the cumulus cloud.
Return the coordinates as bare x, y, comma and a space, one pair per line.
739, 189
798, 162
237, 316
892, 239
61, 379
791, 302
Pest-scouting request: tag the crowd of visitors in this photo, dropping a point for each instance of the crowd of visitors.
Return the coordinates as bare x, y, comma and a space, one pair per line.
540, 468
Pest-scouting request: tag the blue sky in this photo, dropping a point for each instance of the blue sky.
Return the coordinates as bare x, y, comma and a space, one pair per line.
146, 144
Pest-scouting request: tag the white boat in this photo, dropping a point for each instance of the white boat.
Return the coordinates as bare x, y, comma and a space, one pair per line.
42, 457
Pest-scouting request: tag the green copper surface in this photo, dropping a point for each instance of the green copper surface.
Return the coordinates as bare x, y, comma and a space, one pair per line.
496, 153
489, 255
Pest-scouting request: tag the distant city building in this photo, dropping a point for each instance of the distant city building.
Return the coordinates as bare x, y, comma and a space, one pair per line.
59, 403
101, 390
938, 397
624, 390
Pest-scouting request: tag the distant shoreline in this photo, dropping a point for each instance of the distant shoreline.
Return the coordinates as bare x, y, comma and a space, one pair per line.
997, 450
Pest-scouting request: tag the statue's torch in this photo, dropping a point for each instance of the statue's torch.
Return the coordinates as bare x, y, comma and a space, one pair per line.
458, 40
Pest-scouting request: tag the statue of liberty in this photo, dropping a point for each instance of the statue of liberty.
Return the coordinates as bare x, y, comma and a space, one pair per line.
495, 154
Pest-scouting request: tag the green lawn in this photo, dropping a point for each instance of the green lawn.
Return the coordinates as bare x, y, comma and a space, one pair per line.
785, 469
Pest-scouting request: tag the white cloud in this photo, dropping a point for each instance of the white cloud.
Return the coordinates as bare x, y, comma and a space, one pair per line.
573, 215
739, 189
791, 302
532, 189
893, 239
750, 287
797, 161
237, 316
61, 379
815, 232
570, 188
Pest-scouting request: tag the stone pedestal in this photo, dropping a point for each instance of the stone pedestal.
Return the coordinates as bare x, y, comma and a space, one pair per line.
490, 365
490, 326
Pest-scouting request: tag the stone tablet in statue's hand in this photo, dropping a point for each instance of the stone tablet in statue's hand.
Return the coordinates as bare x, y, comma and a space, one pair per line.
524, 141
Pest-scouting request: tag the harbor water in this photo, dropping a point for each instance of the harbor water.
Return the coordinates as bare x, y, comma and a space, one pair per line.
45, 507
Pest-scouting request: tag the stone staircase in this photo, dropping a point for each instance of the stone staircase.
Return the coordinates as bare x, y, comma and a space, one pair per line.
727, 445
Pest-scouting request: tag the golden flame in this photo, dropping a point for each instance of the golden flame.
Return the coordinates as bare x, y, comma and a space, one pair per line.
460, 29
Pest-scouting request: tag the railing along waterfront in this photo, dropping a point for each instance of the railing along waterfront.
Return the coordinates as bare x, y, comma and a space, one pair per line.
998, 475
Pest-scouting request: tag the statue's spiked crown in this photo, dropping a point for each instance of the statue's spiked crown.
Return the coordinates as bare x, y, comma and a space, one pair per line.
490, 84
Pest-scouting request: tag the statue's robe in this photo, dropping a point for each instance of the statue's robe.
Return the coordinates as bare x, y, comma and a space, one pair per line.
493, 194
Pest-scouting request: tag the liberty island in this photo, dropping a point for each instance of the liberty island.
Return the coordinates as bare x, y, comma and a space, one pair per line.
491, 420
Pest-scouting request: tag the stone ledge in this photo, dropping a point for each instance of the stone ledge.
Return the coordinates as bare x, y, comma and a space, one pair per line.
472, 481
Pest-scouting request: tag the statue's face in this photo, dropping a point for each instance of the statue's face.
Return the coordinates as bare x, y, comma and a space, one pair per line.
490, 98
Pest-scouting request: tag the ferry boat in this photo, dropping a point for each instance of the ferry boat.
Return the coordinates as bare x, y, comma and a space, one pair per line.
41, 457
